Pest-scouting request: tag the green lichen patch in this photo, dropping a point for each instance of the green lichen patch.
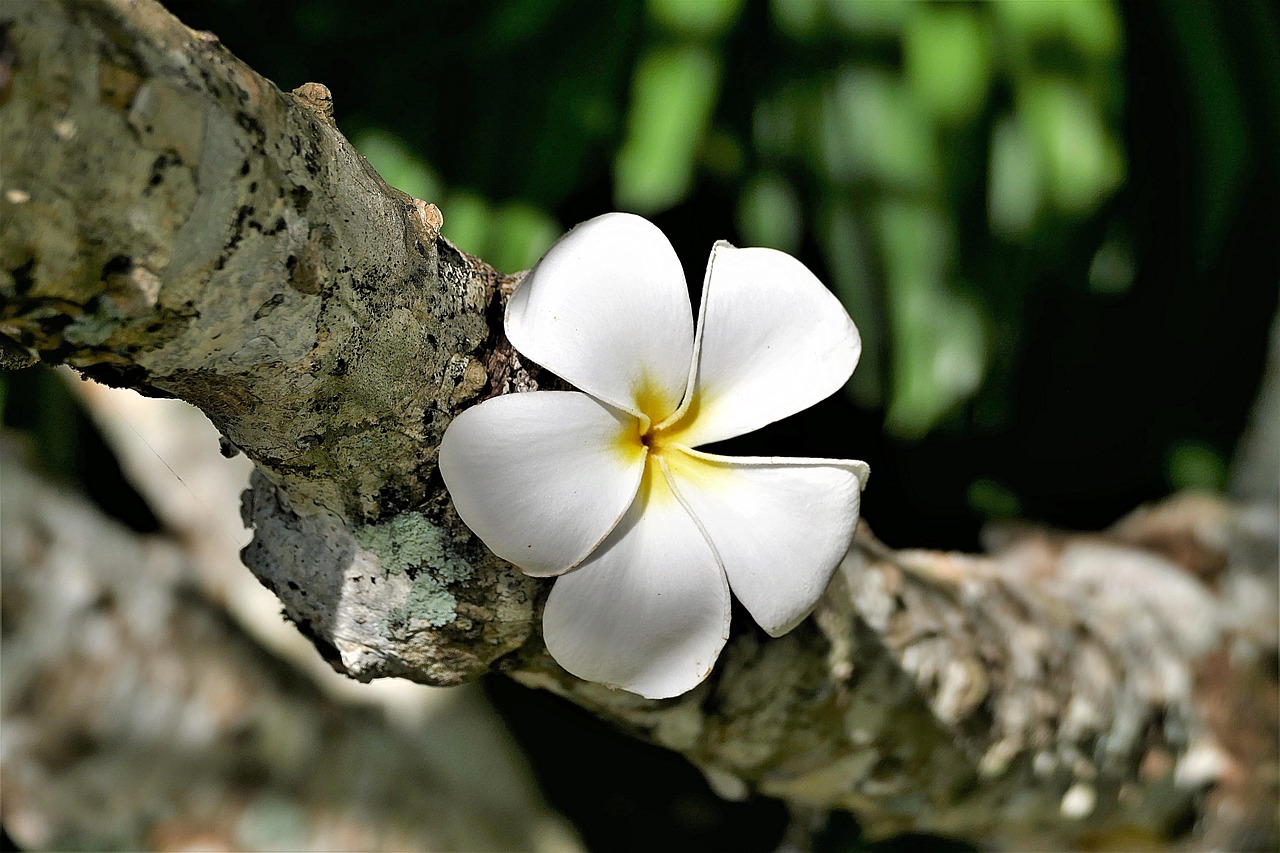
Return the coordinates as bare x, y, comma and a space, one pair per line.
410, 544
409, 541
429, 601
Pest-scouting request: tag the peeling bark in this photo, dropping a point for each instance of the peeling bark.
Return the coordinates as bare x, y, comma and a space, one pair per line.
174, 223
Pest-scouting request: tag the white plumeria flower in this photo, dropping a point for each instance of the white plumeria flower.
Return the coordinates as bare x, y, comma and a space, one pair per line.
605, 489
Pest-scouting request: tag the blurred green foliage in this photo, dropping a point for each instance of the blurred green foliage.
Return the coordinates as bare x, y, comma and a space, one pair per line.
1017, 201
671, 103
876, 146
1052, 220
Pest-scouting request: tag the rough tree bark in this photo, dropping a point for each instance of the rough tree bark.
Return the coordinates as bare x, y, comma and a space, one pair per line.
174, 223
138, 716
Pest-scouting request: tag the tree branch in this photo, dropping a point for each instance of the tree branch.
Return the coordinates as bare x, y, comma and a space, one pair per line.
118, 670
174, 223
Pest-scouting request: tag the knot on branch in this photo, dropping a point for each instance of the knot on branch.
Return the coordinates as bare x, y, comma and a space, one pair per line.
427, 218
317, 98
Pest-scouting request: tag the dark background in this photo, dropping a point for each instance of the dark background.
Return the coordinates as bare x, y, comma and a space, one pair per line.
1054, 223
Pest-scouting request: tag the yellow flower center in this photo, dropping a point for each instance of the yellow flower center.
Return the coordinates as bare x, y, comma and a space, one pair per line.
651, 437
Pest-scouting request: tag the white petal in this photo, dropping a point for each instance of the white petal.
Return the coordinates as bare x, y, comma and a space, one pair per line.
542, 477
649, 610
772, 341
780, 526
607, 309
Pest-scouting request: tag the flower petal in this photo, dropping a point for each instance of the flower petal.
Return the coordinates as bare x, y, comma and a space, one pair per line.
607, 309
780, 526
772, 341
649, 610
542, 477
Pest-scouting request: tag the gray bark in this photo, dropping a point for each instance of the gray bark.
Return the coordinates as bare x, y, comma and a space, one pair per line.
138, 716
174, 223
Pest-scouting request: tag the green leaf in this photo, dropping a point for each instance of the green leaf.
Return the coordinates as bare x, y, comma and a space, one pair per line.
947, 59
397, 163
1195, 465
701, 18
1092, 27
870, 17
873, 128
769, 213
938, 333
797, 18
1083, 162
1015, 179
521, 235
994, 499
466, 222
673, 95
